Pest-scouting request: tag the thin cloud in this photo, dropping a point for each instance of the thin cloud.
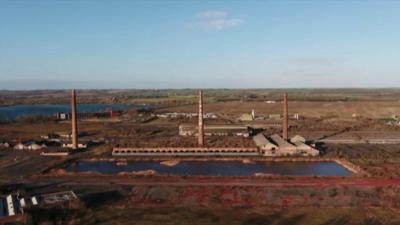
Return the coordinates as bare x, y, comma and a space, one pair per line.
214, 20
219, 24
211, 14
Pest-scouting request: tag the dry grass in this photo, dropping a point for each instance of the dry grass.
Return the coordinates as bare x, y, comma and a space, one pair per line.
260, 216
370, 109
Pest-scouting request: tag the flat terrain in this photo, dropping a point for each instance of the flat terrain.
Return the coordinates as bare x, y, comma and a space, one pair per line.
156, 200
119, 214
189, 96
345, 123
313, 109
261, 216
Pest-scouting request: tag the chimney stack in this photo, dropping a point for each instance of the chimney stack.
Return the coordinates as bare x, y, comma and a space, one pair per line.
200, 125
74, 121
285, 124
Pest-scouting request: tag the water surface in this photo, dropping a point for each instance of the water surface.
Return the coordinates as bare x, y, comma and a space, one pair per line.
216, 168
12, 112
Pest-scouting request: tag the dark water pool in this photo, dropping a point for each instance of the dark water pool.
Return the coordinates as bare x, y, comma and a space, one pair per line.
12, 112
216, 168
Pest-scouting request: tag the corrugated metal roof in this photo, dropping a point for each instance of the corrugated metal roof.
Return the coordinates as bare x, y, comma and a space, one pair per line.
282, 143
262, 142
297, 138
302, 146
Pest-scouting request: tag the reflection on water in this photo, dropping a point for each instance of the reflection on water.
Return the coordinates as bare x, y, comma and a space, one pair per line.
215, 168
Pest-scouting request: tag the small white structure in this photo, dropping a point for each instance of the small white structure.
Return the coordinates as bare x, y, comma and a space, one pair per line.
35, 146
34, 200
22, 202
10, 205
4, 145
80, 145
275, 116
246, 117
20, 146
29, 146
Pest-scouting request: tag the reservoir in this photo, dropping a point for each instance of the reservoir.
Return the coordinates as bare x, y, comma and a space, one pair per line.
12, 112
216, 168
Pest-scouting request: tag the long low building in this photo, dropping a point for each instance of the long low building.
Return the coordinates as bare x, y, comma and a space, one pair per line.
218, 130
189, 151
223, 129
88, 115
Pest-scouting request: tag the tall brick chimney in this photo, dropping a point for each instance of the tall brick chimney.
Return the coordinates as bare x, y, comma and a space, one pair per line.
285, 124
74, 121
200, 125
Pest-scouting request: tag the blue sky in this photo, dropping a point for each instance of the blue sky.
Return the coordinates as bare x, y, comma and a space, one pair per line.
199, 44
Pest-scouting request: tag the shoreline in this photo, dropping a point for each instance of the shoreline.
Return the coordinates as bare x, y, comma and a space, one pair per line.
356, 170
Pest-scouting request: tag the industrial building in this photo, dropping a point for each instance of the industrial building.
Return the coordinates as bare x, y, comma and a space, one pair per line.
275, 145
189, 151
174, 115
246, 117
9, 206
244, 130
217, 130
56, 151
87, 115
12, 207
264, 144
4, 144
29, 145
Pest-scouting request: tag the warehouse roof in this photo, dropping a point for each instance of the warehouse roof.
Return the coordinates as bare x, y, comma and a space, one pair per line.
263, 142
282, 143
297, 138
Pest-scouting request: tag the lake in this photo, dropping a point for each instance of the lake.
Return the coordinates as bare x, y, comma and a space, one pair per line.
12, 112
216, 168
